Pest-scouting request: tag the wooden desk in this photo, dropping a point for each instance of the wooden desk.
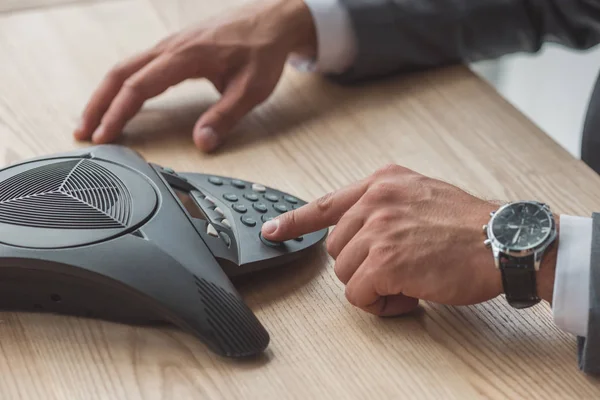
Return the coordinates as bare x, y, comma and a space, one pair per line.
309, 138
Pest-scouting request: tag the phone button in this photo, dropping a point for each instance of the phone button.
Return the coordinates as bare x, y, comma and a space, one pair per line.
251, 197
238, 184
291, 199
281, 208
230, 197
248, 221
225, 237
258, 188
272, 197
260, 207
266, 218
215, 180
268, 242
240, 208
212, 231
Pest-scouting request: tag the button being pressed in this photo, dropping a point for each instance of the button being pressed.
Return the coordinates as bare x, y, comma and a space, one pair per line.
269, 242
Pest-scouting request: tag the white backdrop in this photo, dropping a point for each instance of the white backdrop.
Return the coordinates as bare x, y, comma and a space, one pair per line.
552, 88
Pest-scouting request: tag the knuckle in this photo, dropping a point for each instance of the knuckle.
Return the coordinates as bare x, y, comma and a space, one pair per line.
134, 84
387, 170
331, 247
324, 203
338, 269
351, 296
381, 218
163, 44
254, 91
117, 72
381, 253
382, 192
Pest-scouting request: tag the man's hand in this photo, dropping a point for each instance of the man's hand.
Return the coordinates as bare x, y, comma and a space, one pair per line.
243, 55
400, 237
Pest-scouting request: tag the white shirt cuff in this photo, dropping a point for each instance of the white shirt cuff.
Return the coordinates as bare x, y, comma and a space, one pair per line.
336, 41
570, 302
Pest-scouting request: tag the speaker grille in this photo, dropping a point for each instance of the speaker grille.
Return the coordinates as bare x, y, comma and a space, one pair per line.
236, 328
73, 194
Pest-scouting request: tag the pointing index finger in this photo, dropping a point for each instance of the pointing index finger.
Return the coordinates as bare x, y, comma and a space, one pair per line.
316, 215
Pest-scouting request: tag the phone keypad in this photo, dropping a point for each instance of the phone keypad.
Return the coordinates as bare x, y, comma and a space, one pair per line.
256, 203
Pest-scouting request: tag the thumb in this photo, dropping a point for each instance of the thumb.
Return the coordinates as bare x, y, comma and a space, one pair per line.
215, 124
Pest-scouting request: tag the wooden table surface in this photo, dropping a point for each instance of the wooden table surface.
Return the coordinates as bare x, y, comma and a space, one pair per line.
311, 137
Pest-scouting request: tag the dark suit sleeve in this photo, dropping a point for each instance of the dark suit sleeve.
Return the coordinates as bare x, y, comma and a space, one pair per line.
405, 35
589, 347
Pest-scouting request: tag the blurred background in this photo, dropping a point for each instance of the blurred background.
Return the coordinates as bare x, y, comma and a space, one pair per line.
552, 88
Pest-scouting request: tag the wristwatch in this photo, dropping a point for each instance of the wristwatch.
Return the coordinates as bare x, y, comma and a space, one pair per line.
519, 234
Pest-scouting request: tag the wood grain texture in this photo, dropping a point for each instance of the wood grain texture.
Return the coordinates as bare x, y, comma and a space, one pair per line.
310, 137
19, 5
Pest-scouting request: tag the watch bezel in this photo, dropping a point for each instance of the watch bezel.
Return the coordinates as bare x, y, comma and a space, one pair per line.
539, 248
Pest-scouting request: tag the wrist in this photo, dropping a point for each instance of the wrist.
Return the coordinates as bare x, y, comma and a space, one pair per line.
544, 278
294, 25
546, 273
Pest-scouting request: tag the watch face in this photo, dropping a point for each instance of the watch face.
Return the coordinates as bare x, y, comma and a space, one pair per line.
522, 226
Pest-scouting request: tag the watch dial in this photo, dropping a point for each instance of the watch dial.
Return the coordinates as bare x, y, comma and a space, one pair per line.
521, 226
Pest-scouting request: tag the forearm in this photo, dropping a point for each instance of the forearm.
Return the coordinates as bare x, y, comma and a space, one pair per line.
404, 35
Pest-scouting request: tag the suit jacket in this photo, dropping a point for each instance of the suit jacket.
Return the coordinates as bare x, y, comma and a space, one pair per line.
407, 35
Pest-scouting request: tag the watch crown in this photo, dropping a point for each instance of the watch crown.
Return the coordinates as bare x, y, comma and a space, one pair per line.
487, 242
492, 213
485, 228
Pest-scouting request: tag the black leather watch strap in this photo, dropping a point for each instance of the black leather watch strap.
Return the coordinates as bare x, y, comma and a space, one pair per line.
518, 280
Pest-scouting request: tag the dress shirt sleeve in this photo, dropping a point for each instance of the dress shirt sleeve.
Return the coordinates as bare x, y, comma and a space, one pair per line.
335, 39
570, 302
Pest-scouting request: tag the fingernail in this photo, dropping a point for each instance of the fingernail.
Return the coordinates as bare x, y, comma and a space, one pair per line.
270, 226
209, 138
98, 133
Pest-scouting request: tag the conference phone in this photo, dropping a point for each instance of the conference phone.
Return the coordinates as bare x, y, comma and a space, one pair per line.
100, 232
